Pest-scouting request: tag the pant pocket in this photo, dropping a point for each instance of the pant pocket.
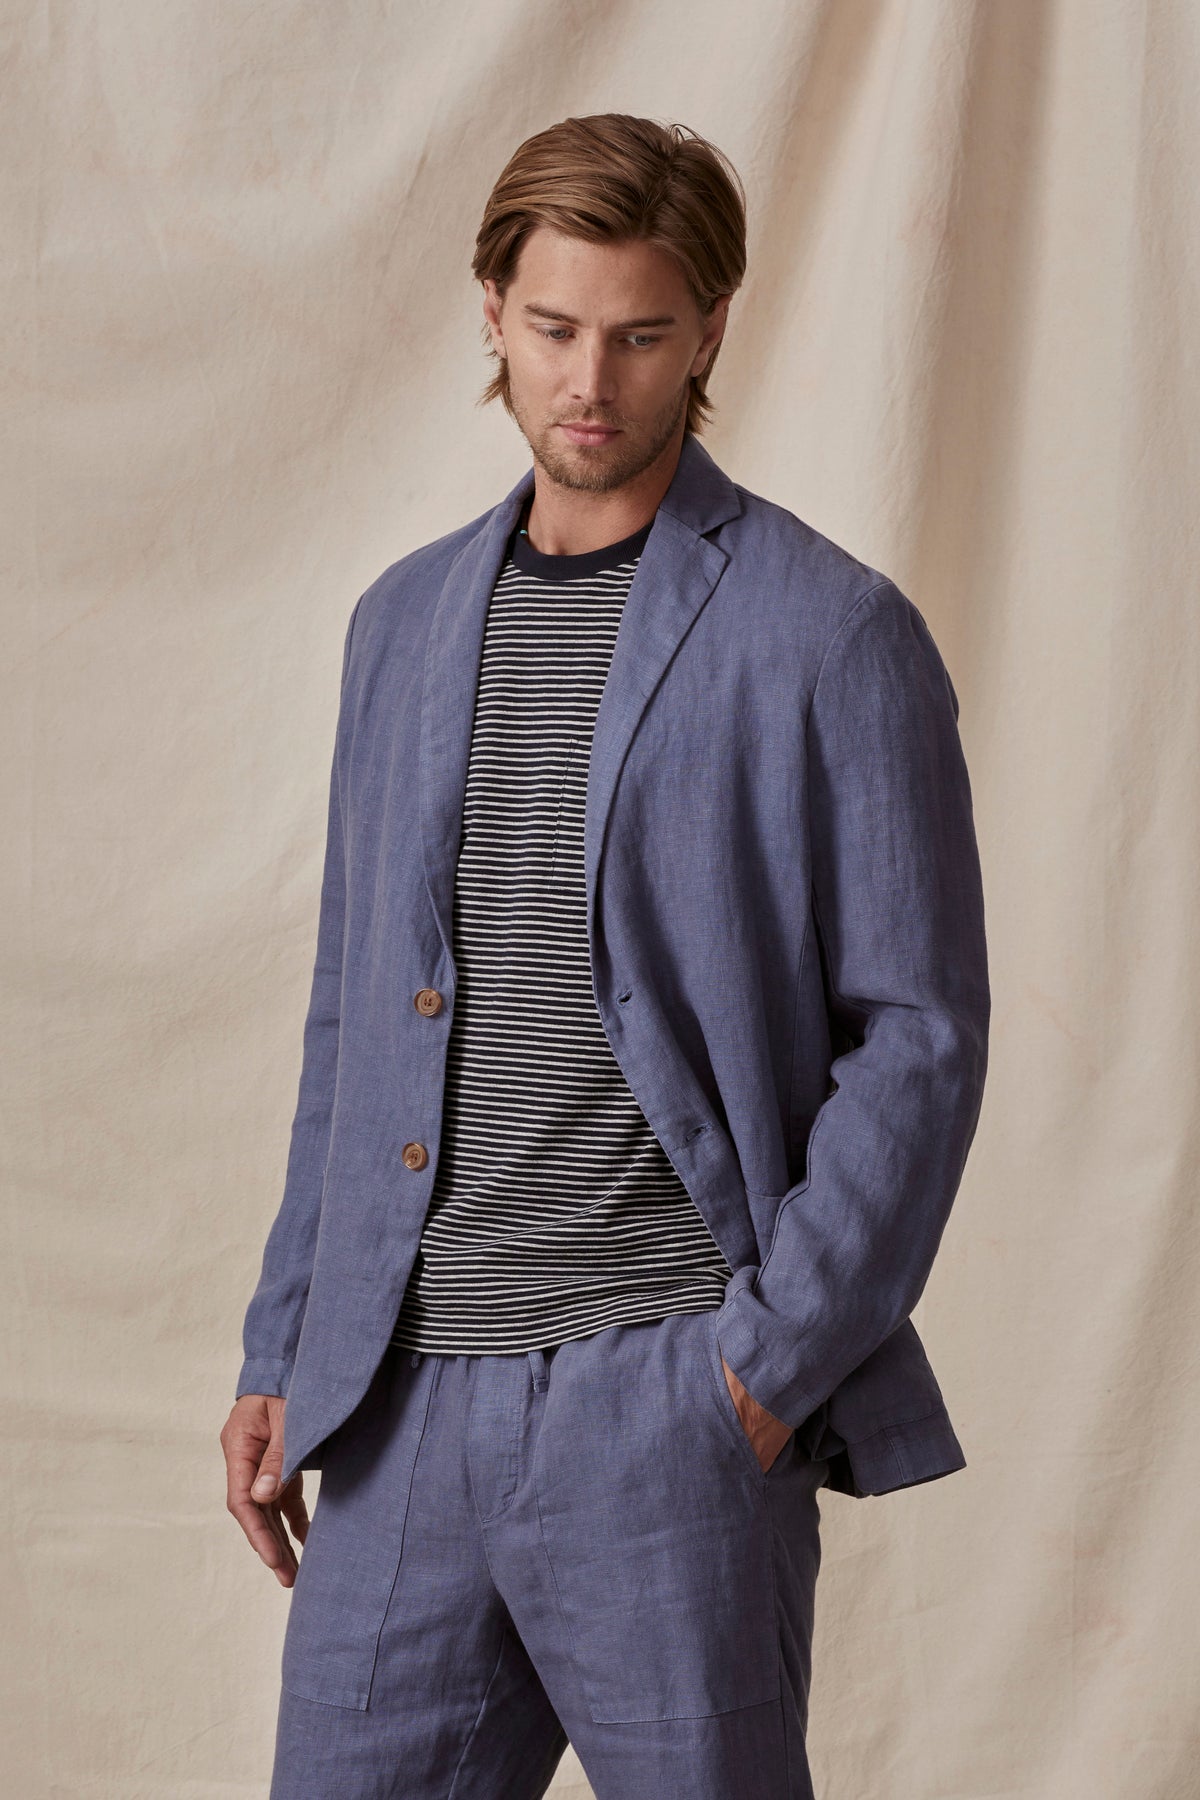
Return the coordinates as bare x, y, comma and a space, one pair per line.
351, 1556
730, 1412
656, 1528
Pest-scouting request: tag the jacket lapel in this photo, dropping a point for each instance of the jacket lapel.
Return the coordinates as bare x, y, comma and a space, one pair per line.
451, 677
676, 573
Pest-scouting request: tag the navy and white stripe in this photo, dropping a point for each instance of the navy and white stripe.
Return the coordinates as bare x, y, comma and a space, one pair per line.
554, 1211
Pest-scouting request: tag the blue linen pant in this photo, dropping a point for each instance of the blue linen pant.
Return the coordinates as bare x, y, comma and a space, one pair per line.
510, 1552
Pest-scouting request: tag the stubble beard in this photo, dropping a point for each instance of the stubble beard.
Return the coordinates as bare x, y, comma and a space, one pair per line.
600, 468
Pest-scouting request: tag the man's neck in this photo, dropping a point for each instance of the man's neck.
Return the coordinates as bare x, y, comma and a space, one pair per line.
561, 522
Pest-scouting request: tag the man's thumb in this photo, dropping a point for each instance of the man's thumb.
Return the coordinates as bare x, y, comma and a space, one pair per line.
266, 1483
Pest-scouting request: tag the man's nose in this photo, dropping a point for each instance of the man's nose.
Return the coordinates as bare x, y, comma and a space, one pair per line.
593, 378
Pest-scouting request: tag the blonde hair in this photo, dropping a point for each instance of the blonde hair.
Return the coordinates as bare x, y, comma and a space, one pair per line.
610, 177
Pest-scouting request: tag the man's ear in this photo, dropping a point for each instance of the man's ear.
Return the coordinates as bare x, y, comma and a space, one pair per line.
718, 316
491, 313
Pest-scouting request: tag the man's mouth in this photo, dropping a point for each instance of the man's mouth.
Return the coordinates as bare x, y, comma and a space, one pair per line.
589, 434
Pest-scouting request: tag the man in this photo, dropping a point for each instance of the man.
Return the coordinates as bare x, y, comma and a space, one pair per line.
646, 1044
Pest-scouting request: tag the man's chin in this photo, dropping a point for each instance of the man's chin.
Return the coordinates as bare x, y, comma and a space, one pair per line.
588, 468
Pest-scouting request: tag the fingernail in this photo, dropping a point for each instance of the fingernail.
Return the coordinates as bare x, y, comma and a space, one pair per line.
264, 1487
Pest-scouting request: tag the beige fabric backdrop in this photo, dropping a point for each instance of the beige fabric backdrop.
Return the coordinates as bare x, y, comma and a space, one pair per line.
241, 359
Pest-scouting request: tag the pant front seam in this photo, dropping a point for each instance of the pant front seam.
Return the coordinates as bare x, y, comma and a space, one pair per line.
470, 1738
400, 1562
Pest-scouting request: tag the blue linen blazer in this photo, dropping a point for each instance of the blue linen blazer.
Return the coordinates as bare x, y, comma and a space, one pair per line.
786, 937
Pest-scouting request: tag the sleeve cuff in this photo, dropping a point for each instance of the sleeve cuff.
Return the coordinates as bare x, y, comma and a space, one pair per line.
263, 1375
781, 1394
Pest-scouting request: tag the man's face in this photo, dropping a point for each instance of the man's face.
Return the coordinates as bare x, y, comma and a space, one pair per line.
606, 334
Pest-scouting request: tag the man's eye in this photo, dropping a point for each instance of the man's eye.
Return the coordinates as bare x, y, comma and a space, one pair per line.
555, 334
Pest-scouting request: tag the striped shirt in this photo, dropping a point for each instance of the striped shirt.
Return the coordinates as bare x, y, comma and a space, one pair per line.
554, 1211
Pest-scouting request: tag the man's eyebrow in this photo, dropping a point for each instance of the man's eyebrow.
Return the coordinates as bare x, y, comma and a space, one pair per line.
548, 312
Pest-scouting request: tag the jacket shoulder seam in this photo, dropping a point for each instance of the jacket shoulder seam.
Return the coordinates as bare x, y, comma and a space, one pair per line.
875, 588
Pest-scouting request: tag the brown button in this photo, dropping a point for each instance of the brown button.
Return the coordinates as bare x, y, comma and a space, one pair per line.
427, 1000
415, 1156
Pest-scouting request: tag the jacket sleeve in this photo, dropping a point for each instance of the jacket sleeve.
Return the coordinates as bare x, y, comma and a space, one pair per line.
897, 906
276, 1311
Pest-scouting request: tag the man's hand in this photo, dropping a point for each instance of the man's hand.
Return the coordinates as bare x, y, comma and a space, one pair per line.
767, 1433
252, 1440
